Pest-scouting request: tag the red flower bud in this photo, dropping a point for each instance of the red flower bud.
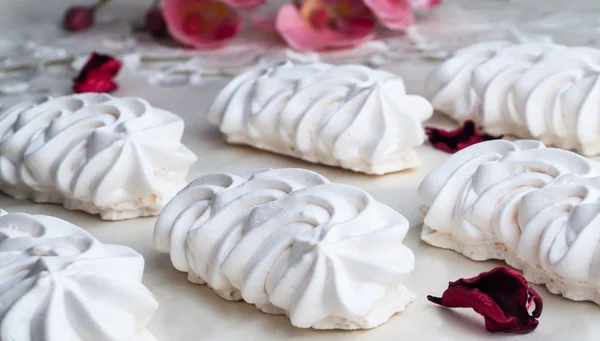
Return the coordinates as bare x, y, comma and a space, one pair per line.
78, 18
155, 22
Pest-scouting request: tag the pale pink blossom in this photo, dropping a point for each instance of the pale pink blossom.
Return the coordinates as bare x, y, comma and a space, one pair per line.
320, 24
201, 23
398, 14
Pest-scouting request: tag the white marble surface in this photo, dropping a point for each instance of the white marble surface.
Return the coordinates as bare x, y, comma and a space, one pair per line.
189, 312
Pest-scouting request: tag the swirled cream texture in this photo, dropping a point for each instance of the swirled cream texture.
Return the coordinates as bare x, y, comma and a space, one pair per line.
537, 208
534, 90
348, 116
290, 242
118, 157
59, 283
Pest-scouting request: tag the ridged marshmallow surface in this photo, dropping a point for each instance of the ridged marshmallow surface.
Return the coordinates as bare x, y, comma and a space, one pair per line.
290, 242
118, 157
348, 116
535, 207
534, 90
59, 283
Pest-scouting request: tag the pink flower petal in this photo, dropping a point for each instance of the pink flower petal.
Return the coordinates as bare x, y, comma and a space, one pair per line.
264, 21
225, 31
425, 3
301, 36
356, 26
393, 14
319, 17
355, 8
193, 23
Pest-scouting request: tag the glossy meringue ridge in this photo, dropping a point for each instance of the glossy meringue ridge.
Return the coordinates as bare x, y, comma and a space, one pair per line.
57, 282
536, 208
543, 91
290, 242
348, 116
117, 157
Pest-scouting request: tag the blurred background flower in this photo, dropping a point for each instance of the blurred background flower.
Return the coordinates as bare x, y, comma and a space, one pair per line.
201, 23
398, 14
319, 24
305, 25
79, 18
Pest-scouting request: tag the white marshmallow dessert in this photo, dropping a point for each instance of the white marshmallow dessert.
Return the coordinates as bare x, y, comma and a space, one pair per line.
541, 91
536, 208
349, 116
57, 282
117, 157
290, 242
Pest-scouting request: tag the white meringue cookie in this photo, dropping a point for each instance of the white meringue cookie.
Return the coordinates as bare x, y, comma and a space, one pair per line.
535, 207
118, 157
534, 90
59, 283
348, 116
327, 255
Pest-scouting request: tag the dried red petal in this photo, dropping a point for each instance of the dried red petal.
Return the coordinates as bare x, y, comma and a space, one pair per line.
97, 74
78, 18
502, 296
452, 141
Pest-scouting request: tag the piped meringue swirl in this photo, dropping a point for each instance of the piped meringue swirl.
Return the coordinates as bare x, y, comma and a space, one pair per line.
290, 242
348, 116
118, 157
532, 206
59, 283
534, 90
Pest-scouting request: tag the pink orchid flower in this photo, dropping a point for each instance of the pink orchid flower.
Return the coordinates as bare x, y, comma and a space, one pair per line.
320, 24
398, 14
201, 23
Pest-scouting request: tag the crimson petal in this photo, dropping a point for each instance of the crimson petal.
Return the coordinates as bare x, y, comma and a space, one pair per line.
502, 296
451, 141
97, 74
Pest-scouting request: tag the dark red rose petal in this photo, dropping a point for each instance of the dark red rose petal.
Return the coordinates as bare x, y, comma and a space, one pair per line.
97, 74
502, 296
452, 141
